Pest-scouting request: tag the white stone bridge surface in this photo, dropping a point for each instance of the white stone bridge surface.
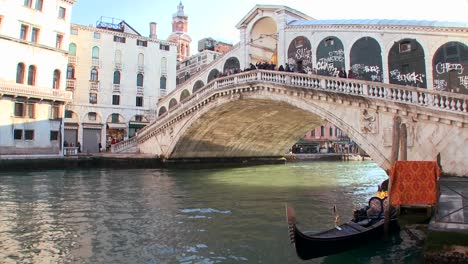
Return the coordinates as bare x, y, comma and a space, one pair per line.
263, 113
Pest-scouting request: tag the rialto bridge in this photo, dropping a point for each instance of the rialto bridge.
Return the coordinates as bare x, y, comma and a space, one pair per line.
414, 70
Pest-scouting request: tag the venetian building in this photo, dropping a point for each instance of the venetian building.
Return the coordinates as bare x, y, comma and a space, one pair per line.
34, 37
117, 76
179, 33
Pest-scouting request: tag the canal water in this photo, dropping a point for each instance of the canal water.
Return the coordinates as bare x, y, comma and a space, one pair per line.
219, 215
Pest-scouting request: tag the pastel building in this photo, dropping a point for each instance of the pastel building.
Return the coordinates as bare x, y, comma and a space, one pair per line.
34, 38
116, 76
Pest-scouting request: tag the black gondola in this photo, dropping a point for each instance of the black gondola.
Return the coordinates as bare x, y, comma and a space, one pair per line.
362, 229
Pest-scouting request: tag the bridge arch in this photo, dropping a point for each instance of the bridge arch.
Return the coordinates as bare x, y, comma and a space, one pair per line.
406, 63
231, 64
162, 111
184, 94
198, 84
263, 40
330, 56
212, 75
449, 68
366, 60
300, 49
172, 103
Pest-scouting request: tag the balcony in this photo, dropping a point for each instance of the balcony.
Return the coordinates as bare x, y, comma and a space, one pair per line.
141, 68
71, 84
95, 62
34, 92
118, 66
140, 90
94, 86
71, 59
116, 88
162, 92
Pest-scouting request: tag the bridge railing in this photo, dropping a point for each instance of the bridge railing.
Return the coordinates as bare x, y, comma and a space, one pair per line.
389, 92
124, 145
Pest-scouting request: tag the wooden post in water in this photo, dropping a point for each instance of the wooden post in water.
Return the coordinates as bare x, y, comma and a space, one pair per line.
393, 158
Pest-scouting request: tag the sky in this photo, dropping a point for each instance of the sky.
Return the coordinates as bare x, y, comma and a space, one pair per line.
218, 19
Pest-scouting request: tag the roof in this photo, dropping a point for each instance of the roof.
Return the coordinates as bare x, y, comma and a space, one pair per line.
380, 22
253, 12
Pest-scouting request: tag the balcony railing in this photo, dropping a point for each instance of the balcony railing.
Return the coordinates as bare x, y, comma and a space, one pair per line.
94, 86
118, 66
28, 91
71, 84
162, 92
72, 59
95, 62
116, 88
140, 90
141, 68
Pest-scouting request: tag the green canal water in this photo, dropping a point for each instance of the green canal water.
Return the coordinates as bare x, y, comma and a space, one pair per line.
219, 215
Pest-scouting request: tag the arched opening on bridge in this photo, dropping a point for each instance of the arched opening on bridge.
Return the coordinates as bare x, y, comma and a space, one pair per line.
198, 84
330, 56
232, 64
185, 93
162, 111
172, 103
300, 54
366, 60
212, 75
264, 41
406, 63
449, 68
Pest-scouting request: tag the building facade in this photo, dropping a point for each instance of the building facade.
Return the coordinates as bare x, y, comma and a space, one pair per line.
34, 37
195, 63
179, 33
116, 76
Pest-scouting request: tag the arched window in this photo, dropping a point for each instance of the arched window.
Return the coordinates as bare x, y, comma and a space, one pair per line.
32, 75
94, 75
95, 53
140, 80
162, 83
72, 49
141, 59
118, 56
56, 80
116, 77
20, 73
70, 72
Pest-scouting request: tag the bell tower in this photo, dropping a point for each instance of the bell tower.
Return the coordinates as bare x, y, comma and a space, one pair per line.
179, 33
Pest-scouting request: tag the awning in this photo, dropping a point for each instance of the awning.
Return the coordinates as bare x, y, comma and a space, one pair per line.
92, 126
137, 124
116, 126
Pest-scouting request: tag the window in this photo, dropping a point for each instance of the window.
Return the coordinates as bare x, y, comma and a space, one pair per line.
93, 98
34, 35
53, 135
405, 46
18, 134
142, 43
20, 73
329, 42
138, 118
94, 75
322, 131
115, 118
140, 80
312, 133
24, 110
70, 72
119, 39
27, 3
72, 49
32, 75
56, 80
331, 131
97, 35
68, 114
116, 77
24, 32
92, 116
74, 31
55, 112
61, 12
163, 47
58, 41
95, 53
29, 110
162, 83
38, 5
115, 99
139, 101
19, 109
29, 135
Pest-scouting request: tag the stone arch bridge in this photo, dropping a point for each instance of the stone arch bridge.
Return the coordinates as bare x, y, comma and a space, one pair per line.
263, 113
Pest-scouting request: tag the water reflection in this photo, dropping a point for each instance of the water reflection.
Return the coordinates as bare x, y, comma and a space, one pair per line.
231, 215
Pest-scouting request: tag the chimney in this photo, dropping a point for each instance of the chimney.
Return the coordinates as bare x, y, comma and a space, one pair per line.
152, 30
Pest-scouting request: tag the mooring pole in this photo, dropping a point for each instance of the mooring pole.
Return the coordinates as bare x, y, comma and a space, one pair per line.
393, 158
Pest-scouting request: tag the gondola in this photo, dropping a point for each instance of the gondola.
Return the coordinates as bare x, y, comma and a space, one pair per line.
367, 226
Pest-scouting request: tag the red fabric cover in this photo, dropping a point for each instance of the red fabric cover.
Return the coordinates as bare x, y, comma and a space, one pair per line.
414, 182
